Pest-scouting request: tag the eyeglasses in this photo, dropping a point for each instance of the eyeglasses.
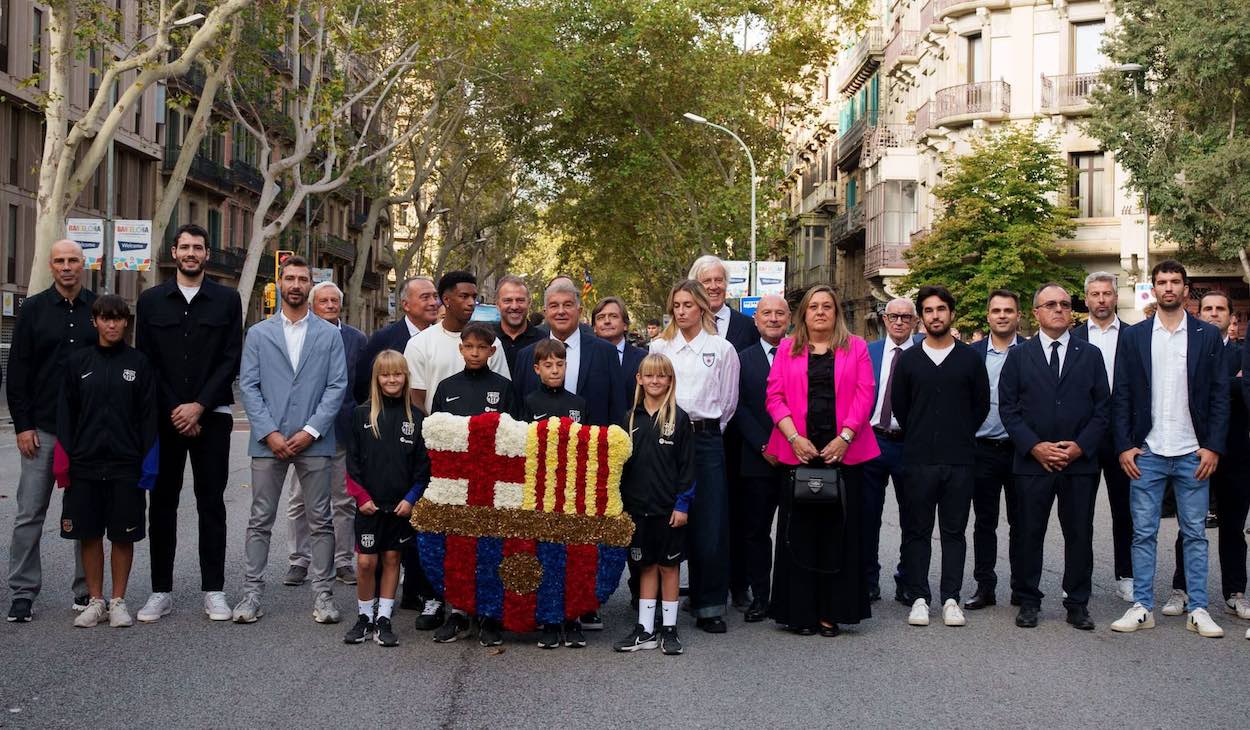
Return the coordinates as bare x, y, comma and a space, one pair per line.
1056, 306
893, 317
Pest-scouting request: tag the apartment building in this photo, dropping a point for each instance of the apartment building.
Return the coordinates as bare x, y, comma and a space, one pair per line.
923, 80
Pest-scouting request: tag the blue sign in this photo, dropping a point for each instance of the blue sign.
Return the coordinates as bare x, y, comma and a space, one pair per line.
485, 313
748, 305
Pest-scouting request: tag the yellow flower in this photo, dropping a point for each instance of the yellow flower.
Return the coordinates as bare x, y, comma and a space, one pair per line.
528, 500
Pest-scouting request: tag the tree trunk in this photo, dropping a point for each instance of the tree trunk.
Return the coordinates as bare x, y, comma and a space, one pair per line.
50, 204
364, 242
1245, 264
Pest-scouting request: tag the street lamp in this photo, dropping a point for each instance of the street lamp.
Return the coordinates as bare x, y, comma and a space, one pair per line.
696, 119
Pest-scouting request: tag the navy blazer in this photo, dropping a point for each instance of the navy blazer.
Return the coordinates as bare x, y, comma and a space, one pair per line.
1035, 408
876, 352
598, 381
630, 363
354, 342
751, 421
742, 330
1081, 332
393, 336
1208, 386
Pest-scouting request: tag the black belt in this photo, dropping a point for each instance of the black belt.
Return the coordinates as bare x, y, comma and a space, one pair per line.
995, 443
705, 425
887, 434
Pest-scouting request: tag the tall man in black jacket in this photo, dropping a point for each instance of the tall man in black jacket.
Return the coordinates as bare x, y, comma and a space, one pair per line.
1052, 396
191, 330
941, 396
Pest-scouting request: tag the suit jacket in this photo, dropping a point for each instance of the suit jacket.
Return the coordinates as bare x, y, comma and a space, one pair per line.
630, 363
598, 381
1207, 380
277, 398
1035, 408
742, 330
354, 342
853, 388
751, 421
1081, 332
876, 353
393, 336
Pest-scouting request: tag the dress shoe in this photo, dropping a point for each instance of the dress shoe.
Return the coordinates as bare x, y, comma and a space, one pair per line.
756, 612
829, 631
874, 594
980, 599
802, 630
1027, 618
741, 601
1078, 616
712, 624
903, 597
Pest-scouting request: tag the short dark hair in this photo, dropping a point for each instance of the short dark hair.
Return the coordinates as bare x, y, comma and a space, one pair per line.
549, 348
653, 322
1169, 266
605, 302
293, 260
479, 332
1228, 301
193, 230
110, 306
934, 290
452, 279
1003, 293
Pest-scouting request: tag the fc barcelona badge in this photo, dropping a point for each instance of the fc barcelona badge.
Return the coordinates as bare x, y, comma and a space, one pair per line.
493, 397
407, 428
128, 375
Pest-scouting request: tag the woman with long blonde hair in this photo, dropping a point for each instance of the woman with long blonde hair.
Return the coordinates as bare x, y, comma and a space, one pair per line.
706, 368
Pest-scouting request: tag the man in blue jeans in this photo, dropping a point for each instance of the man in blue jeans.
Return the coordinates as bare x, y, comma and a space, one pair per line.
1170, 419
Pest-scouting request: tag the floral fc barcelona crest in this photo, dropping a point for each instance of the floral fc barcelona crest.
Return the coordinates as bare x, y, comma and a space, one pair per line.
493, 397
128, 375
709, 359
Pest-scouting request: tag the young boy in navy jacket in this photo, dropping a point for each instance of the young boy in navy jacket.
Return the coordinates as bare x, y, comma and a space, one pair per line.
551, 400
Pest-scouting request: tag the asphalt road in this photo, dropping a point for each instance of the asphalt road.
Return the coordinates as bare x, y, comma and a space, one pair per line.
286, 671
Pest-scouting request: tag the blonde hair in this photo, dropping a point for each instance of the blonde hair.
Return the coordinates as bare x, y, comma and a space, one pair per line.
657, 364
841, 335
695, 290
387, 362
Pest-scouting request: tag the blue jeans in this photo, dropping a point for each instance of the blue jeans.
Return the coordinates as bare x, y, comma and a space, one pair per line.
1145, 503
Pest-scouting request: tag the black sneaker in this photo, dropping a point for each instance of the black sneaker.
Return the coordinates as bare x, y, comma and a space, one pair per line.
573, 637
637, 639
669, 642
456, 624
550, 637
19, 611
431, 615
411, 602
384, 635
592, 621
80, 603
360, 631
488, 633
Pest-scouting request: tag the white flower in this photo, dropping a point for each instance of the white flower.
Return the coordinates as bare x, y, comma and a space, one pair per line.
511, 436
508, 495
448, 491
445, 432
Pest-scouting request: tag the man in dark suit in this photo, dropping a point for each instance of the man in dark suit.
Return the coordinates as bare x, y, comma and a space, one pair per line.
731, 324
1170, 417
513, 329
1104, 330
755, 502
419, 303
1053, 400
611, 322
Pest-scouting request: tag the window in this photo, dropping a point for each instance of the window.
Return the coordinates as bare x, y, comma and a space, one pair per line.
234, 226
120, 17
36, 41
15, 146
93, 79
1087, 56
1089, 185
5, 6
10, 249
139, 117
815, 245
214, 229
976, 59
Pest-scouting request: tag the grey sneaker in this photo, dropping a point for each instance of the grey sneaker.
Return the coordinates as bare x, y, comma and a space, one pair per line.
119, 615
247, 611
345, 574
324, 610
95, 612
295, 575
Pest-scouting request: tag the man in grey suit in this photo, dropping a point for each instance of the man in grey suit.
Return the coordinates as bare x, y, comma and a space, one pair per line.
293, 380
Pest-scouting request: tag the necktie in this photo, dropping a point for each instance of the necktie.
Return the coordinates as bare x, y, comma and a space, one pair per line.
772, 352
887, 413
1054, 359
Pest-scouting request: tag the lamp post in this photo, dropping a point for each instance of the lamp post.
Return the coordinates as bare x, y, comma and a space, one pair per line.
695, 118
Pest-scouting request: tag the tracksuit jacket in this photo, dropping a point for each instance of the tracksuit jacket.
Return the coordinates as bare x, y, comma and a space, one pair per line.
391, 465
548, 402
659, 476
474, 392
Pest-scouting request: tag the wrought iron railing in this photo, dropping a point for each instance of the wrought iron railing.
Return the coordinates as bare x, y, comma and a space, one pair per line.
982, 97
905, 44
1068, 91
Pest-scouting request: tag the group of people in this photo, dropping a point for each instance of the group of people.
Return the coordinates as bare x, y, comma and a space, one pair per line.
737, 423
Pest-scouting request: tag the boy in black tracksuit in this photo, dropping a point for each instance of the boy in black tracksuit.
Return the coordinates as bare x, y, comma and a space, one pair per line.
477, 389
107, 450
551, 400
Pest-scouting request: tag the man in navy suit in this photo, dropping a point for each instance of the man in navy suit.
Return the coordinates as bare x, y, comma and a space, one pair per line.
731, 324
751, 513
419, 303
900, 322
1170, 417
611, 322
1053, 395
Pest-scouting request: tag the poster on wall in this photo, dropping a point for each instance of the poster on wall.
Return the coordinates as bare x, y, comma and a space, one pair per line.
88, 233
738, 273
1143, 295
132, 245
322, 274
770, 277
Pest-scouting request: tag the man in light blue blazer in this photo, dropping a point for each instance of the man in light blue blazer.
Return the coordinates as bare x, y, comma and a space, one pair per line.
293, 379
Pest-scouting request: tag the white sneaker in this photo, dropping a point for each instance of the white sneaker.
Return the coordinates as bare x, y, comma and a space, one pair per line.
93, 614
324, 610
952, 615
1238, 606
1248, 633
1176, 603
248, 610
919, 615
159, 604
1200, 621
119, 615
216, 607
1124, 589
1137, 617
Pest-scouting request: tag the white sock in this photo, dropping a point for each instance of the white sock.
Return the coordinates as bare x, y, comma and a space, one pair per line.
646, 614
669, 609
385, 605
366, 608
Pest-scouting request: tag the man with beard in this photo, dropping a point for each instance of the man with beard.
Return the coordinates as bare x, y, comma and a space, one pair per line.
941, 396
293, 379
191, 330
419, 303
512, 297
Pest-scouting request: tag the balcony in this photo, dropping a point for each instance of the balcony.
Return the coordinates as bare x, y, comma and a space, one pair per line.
1068, 94
850, 143
922, 121
885, 137
928, 20
842, 229
337, 247
227, 261
813, 275
357, 221
966, 103
863, 58
247, 176
372, 281
202, 170
823, 196
891, 217
960, 8
903, 48
278, 61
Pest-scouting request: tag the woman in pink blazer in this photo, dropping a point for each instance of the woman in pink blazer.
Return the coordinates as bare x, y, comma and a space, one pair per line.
820, 396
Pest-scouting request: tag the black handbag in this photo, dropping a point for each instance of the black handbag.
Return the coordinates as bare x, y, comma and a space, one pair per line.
817, 485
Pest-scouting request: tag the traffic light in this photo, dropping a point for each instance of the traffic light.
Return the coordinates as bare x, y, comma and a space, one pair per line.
280, 256
271, 297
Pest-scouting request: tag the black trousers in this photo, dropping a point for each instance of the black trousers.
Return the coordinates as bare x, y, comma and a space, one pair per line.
210, 468
415, 582
878, 473
1121, 516
1230, 493
945, 490
993, 477
1076, 494
759, 506
739, 580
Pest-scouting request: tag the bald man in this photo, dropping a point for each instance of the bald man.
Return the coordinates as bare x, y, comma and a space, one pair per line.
50, 325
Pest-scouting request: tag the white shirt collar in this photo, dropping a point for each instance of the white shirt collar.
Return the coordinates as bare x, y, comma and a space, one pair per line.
723, 313
413, 330
1015, 340
696, 344
1047, 339
574, 341
1183, 326
1093, 326
285, 321
764, 344
620, 346
904, 345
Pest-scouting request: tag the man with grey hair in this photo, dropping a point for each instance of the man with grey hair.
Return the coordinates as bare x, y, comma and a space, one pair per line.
1103, 330
419, 303
731, 324
327, 303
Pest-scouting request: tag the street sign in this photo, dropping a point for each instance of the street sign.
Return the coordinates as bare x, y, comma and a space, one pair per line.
1143, 294
770, 277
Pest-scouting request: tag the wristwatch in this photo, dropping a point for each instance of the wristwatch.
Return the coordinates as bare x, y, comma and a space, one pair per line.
790, 439
844, 437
